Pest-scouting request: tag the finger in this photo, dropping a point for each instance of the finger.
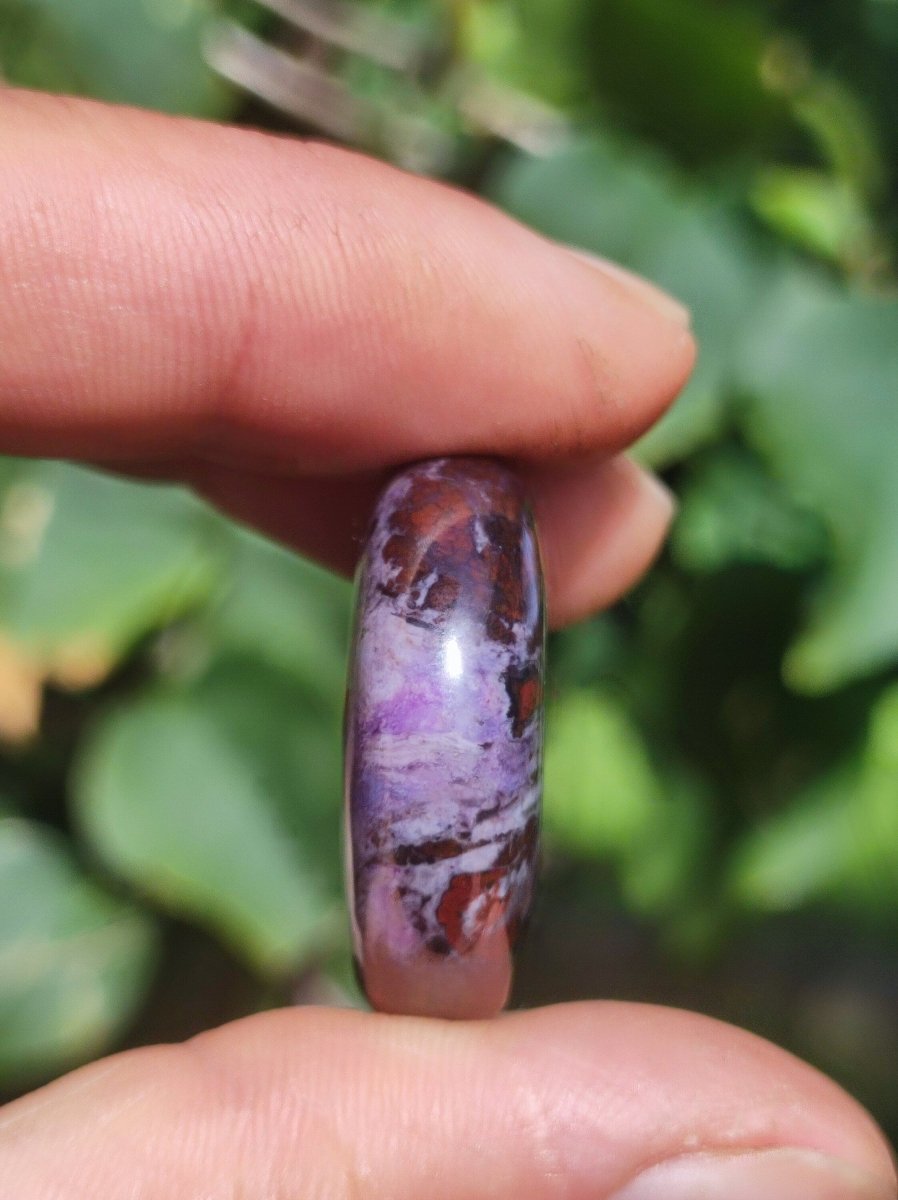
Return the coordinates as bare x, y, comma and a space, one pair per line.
601, 526
179, 289
600, 523
581, 1101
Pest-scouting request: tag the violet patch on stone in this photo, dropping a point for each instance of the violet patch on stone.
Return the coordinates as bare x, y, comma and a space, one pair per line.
444, 738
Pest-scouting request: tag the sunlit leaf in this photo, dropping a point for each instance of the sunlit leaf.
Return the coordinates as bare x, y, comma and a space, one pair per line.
838, 841
536, 46
601, 789
824, 214
606, 800
89, 563
876, 808
664, 873
800, 855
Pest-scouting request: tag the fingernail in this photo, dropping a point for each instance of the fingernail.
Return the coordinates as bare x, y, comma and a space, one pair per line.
759, 1175
660, 300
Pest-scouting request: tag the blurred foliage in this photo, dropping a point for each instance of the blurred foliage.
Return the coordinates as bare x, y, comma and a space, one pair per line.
74, 960
722, 764
146, 52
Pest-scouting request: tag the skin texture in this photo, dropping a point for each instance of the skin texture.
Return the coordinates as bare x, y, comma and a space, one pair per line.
313, 1104
263, 317
279, 324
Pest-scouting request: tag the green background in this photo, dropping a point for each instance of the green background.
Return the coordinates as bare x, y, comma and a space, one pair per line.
721, 826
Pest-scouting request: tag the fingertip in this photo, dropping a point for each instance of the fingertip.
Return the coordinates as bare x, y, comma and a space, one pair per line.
644, 289
639, 324
601, 525
665, 1083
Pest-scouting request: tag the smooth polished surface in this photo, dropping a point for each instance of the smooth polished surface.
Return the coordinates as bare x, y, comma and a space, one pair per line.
444, 739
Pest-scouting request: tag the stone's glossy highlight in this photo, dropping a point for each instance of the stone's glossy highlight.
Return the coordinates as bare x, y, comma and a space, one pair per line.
444, 739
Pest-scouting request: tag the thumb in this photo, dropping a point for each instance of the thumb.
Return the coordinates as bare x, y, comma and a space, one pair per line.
580, 1102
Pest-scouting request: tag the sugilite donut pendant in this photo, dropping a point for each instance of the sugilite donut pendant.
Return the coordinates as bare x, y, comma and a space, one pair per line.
444, 729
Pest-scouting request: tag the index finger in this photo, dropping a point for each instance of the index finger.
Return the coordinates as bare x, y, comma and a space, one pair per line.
181, 290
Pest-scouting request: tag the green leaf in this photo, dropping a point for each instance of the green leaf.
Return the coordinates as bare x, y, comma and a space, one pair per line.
875, 871
800, 855
605, 800
293, 743
586, 651
143, 52
661, 876
601, 790
635, 210
731, 511
536, 46
284, 611
172, 805
838, 840
821, 213
845, 131
88, 563
820, 368
74, 961
684, 73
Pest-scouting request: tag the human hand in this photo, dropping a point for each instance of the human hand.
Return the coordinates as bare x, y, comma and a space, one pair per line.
277, 324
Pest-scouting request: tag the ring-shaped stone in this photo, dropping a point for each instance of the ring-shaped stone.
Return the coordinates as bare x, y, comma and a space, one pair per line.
444, 731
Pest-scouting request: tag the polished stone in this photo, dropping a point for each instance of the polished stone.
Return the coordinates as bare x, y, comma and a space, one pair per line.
444, 739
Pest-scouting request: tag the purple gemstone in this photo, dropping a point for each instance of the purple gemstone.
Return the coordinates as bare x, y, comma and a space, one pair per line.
444, 739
